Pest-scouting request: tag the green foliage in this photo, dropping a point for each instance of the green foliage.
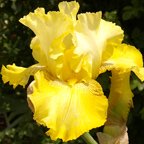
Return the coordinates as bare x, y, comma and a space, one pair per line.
135, 10
16, 123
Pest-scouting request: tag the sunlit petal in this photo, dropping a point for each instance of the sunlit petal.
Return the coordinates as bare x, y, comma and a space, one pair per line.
96, 38
68, 110
49, 29
18, 75
120, 102
125, 58
69, 8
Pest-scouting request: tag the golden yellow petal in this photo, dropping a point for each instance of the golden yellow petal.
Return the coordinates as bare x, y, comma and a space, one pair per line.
95, 37
81, 65
120, 98
68, 110
120, 102
71, 64
69, 8
139, 72
37, 52
125, 58
18, 75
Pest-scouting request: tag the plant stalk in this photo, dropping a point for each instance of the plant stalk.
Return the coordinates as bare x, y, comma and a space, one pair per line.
88, 138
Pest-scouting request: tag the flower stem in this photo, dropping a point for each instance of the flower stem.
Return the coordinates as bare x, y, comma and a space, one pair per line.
88, 138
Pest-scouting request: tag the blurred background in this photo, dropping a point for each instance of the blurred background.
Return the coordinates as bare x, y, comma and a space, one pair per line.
16, 123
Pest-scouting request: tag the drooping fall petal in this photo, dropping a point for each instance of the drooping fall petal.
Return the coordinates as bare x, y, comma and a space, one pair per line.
18, 75
68, 110
124, 60
120, 102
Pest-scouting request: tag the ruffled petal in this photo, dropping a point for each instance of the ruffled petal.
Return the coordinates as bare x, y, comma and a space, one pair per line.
113, 34
96, 38
50, 30
90, 38
125, 58
69, 8
18, 75
68, 110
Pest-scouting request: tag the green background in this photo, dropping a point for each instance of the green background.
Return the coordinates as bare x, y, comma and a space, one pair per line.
16, 123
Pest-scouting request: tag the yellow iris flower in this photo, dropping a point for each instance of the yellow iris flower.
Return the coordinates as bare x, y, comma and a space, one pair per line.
71, 51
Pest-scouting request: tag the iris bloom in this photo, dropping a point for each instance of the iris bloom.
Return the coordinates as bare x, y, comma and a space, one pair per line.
71, 51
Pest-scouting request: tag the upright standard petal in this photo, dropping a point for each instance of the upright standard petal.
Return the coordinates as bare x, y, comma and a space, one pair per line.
69, 8
48, 28
96, 38
68, 110
90, 38
18, 75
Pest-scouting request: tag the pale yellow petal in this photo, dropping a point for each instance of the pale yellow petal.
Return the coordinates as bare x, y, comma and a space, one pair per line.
54, 62
96, 37
125, 58
48, 28
18, 75
114, 35
69, 8
68, 110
